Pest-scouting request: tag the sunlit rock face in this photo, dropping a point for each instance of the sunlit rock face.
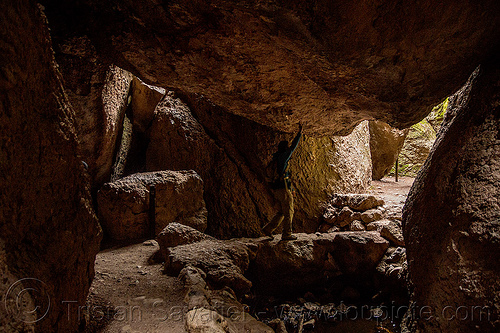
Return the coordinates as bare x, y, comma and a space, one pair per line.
328, 64
385, 144
451, 216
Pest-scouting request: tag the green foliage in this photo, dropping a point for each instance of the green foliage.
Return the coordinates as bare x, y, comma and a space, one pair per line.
436, 116
420, 127
405, 170
409, 165
440, 110
422, 130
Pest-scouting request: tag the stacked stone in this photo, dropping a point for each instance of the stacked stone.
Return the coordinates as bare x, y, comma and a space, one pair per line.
352, 212
360, 212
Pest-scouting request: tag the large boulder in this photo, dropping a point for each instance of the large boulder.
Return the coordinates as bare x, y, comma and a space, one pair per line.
450, 219
281, 267
327, 165
108, 115
143, 103
98, 93
416, 148
179, 198
231, 154
131, 154
357, 253
143, 204
327, 63
49, 234
175, 234
178, 141
144, 98
385, 144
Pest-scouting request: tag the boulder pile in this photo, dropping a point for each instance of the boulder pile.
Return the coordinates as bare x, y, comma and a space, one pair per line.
351, 212
360, 212
274, 267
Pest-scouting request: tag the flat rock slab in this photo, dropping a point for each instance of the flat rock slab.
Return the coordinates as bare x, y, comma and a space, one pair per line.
313, 259
358, 253
393, 232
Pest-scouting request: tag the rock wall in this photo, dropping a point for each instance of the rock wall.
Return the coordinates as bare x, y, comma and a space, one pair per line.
451, 217
49, 234
231, 154
329, 64
275, 64
179, 142
411, 146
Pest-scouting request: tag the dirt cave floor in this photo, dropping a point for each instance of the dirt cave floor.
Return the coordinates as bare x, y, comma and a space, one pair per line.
130, 293
394, 193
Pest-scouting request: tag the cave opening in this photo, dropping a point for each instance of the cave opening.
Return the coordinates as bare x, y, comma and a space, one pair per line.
135, 139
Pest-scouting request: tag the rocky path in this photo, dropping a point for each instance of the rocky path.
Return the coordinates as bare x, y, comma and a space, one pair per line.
132, 295
393, 193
